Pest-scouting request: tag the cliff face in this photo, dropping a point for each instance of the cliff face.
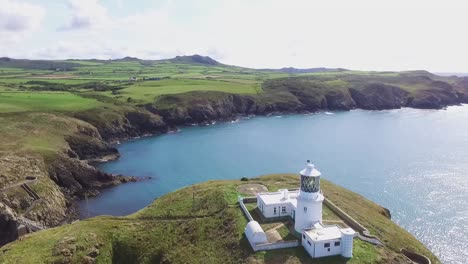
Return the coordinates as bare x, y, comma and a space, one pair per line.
295, 96
438, 95
123, 123
204, 107
65, 174
7, 224
49, 210
379, 96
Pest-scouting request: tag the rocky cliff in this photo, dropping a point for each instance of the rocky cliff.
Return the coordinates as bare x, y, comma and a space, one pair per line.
205, 107
65, 174
8, 224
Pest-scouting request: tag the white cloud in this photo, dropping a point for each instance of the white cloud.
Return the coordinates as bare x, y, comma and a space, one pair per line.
18, 20
119, 4
361, 34
86, 14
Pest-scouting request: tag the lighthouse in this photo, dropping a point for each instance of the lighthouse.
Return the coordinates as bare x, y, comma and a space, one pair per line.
309, 201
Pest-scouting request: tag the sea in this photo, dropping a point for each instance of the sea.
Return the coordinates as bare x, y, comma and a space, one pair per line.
413, 162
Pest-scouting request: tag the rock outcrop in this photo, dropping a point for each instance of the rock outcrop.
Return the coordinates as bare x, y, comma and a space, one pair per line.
77, 178
116, 125
8, 224
437, 96
378, 96
64, 175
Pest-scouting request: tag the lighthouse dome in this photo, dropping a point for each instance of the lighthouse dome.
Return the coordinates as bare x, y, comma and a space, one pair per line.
310, 170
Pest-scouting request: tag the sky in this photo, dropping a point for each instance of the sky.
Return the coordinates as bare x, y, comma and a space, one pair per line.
352, 34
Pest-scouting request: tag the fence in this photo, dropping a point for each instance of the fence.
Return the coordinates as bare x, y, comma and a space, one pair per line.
415, 257
266, 246
363, 232
243, 200
276, 245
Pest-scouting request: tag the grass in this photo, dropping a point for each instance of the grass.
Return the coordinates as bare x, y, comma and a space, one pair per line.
203, 228
191, 81
37, 133
147, 91
14, 102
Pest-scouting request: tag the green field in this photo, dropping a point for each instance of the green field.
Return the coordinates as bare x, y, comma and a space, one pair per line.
186, 74
43, 102
147, 91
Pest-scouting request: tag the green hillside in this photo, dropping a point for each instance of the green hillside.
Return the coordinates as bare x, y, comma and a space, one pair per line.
208, 228
140, 82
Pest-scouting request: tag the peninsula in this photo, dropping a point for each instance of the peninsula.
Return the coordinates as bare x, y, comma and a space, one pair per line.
204, 223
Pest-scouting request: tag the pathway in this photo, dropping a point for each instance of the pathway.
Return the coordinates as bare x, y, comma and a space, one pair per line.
31, 225
17, 184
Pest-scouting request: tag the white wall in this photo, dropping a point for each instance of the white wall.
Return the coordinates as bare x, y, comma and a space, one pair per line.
322, 251
305, 219
307, 247
347, 246
269, 211
277, 245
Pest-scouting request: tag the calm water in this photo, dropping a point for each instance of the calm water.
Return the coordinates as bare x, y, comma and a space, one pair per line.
414, 162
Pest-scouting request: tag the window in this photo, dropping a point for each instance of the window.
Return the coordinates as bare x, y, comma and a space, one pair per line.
305, 209
274, 210
337, 244
327, 245
310, 184
283, 209
308, 242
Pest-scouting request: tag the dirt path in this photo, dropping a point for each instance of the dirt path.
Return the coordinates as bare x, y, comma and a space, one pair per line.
17, 185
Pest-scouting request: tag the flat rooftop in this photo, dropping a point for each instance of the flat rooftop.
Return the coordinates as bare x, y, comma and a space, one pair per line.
324, 233
272, 198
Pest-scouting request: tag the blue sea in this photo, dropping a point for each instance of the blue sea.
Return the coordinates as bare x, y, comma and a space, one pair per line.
413, 162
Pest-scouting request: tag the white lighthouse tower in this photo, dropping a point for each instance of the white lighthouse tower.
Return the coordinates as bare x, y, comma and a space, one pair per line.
309, 200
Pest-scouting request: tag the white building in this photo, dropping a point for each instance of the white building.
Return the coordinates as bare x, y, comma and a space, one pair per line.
255, 234
322, 241
304, 206
282, 203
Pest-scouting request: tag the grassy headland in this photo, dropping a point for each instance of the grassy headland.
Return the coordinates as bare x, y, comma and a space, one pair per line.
207, 229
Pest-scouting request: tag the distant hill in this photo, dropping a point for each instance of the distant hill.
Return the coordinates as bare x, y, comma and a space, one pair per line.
458, 74
128, 58
198, 59
292, 70
6, 62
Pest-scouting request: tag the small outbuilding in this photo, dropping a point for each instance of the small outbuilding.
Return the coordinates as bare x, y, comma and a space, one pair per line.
255, 234
322, 241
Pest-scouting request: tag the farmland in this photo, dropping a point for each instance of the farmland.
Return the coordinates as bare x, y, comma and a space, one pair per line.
43, 102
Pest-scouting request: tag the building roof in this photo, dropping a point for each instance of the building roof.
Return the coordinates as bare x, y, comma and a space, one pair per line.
310, 170
324, 233
253, 227
271, 198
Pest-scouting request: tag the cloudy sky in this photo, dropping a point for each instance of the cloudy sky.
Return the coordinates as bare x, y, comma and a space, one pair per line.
357, 34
